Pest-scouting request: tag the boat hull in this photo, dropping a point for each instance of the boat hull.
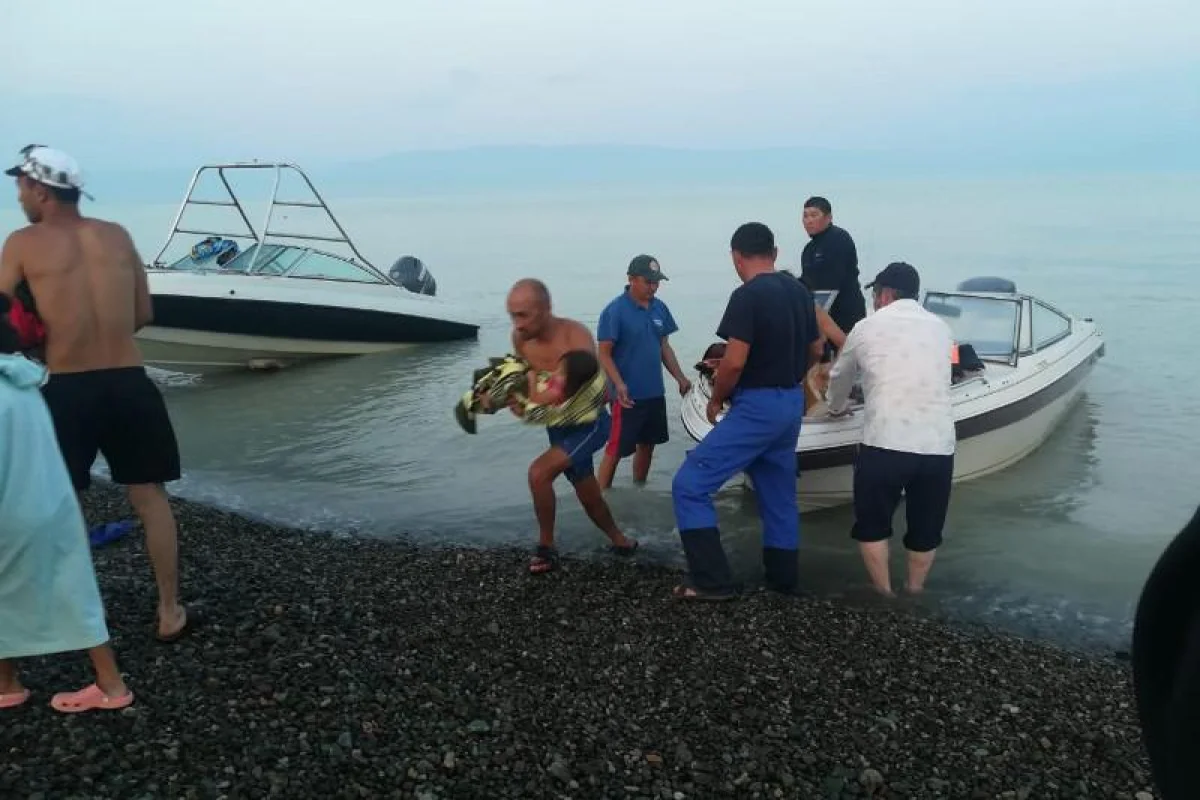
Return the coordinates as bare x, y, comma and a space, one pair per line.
214, 321
177, 348
976, 455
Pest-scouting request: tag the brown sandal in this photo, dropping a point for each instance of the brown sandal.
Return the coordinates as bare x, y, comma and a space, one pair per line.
544, 560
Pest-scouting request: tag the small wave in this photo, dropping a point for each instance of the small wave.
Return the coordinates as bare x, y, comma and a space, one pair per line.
166, 377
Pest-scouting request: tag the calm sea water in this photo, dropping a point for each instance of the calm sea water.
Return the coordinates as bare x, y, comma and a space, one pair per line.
1057, 545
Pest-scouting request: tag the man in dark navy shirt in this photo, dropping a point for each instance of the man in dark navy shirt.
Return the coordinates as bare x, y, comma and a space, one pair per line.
771, 337
830, 261
633, 334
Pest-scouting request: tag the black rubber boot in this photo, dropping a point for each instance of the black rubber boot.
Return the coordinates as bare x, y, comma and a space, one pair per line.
781, 568
706, 560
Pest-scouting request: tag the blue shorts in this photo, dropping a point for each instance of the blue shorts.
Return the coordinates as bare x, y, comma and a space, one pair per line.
580, 443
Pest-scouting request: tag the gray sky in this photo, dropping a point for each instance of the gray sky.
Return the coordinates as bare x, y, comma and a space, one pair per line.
127, 81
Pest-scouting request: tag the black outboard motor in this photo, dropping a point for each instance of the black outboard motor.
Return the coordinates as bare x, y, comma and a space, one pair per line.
411, 273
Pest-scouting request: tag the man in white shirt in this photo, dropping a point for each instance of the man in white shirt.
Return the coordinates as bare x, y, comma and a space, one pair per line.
903, 355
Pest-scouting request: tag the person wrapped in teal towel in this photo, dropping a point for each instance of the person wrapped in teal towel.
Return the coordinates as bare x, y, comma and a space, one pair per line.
572, 395
49, 599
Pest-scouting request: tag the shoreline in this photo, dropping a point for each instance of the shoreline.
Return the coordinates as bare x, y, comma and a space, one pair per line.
939, 604
344, 666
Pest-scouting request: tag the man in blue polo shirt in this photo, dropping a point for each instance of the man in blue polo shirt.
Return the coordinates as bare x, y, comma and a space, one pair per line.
634, 348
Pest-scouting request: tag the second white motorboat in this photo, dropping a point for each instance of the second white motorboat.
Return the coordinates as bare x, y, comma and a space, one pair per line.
1033, 363
278, 302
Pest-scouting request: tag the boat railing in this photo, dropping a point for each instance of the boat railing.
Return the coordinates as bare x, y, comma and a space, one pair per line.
318, 202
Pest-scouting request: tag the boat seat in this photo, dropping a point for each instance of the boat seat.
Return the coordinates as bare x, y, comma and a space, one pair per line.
969, 364
968, 359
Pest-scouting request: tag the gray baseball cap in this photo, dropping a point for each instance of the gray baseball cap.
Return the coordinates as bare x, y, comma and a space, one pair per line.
645, 266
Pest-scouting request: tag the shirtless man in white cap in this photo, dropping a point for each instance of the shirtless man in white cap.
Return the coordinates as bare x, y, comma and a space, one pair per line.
90, 289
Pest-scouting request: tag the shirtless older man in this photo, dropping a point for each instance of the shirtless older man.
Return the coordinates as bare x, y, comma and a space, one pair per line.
91, 292
541, 339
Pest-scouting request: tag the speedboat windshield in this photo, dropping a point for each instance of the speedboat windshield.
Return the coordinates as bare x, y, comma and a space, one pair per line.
988, 324
282, 260
269, 259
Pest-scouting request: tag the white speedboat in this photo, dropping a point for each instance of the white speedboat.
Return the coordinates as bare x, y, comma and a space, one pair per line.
279, 302
1033, 363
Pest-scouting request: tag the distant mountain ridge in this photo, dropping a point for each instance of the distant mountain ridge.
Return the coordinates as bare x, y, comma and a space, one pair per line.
544, 167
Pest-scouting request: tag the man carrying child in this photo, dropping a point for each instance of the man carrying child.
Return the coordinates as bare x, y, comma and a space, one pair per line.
542, 340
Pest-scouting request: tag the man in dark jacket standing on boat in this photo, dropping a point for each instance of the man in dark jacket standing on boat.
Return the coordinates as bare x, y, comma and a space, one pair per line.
771, 337
830, 262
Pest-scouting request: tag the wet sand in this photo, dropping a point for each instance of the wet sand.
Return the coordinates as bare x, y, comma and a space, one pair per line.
329, 666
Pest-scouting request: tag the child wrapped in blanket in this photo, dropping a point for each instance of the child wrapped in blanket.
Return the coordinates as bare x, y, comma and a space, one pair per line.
575, 369
572, 395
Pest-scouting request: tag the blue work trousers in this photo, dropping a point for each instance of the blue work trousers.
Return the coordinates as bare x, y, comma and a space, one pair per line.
757, 436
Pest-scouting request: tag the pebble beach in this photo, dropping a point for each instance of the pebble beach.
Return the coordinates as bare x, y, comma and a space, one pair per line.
332, 666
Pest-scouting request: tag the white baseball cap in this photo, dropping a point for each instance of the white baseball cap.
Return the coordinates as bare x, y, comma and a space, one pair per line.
50, 167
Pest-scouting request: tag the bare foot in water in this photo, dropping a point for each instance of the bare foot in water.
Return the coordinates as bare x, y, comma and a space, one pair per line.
623, 545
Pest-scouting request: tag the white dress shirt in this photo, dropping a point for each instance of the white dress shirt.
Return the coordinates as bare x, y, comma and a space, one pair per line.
902, 353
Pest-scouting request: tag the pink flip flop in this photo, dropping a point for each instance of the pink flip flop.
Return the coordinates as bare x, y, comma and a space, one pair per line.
91, 698
13, 699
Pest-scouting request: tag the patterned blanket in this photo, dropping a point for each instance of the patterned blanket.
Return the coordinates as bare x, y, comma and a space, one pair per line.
506, 378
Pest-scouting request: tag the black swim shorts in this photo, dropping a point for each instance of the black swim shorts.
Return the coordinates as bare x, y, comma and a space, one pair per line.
119, 413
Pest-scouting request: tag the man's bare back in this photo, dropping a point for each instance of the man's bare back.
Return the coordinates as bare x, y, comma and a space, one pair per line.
90, 288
